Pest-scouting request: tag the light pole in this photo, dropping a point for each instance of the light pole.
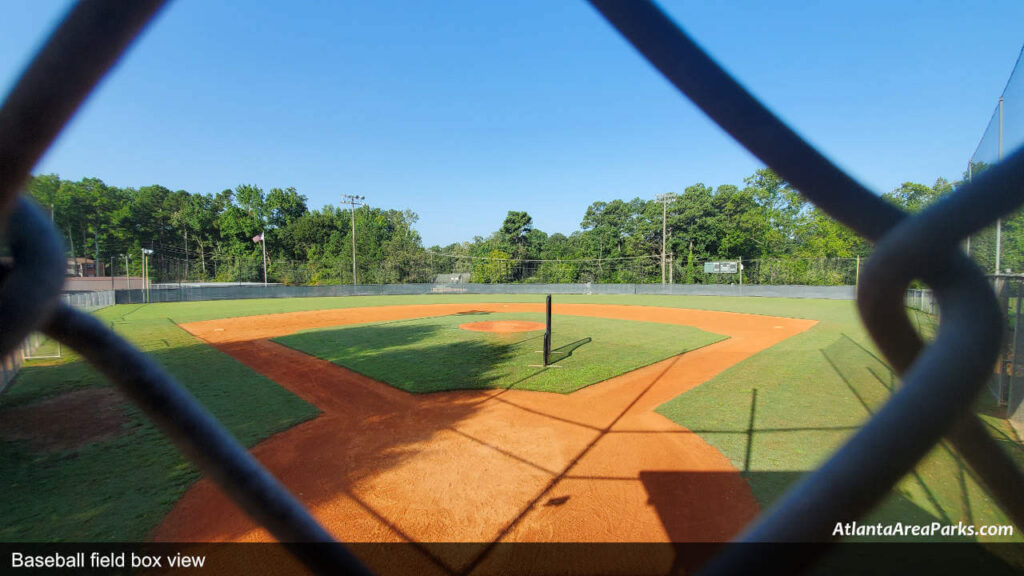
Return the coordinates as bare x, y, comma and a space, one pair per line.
354, 201
145, 272
127, 280
664, 199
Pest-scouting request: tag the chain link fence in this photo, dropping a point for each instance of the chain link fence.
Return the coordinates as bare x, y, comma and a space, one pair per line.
38, 346
1006, 384
999, 248
195, 292
929, 406
429, 267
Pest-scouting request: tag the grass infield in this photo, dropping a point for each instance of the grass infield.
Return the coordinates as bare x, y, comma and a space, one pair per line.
434, 354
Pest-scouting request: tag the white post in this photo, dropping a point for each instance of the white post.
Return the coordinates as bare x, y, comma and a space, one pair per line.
856, 281
263, 243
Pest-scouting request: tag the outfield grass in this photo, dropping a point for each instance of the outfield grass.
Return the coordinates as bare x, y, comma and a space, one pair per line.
118, 489
784, 411
433, 354
813, 391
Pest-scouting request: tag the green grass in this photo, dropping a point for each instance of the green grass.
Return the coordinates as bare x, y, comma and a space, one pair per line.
813, 391
119, 489
433, 354
784, 411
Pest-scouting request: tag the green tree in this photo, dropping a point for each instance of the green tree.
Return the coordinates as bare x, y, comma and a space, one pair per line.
913, 197
496, 269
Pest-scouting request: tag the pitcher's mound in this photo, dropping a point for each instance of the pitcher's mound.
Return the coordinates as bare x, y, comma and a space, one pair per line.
503, 326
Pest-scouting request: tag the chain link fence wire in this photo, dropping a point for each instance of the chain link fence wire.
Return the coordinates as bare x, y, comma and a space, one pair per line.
167, 270
1007, 381
38, 346
76, 56
937, 378
999, 248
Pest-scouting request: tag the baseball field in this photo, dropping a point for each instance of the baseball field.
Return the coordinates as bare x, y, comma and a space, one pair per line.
432, 419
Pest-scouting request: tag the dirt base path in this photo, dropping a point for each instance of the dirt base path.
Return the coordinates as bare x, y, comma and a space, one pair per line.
382, 465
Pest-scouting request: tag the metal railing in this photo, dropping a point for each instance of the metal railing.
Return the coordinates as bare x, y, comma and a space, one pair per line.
938, 379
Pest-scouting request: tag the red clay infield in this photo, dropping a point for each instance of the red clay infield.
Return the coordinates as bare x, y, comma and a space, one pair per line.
598, 465
503, 326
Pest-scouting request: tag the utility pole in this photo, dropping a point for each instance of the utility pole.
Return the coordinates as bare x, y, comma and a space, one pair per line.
664, 199
354, 201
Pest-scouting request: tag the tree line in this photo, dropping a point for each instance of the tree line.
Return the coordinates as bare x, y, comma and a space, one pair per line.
208, 237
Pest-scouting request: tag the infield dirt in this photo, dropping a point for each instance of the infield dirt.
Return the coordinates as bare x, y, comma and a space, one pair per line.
382, 465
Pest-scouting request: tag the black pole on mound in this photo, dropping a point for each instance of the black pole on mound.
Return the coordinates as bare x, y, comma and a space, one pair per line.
547, 330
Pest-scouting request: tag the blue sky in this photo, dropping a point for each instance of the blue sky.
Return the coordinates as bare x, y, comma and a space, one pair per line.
461, 111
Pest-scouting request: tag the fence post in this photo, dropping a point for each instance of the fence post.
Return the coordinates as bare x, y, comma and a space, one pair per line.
1014, 359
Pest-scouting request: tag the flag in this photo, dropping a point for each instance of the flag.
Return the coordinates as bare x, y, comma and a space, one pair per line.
258, 238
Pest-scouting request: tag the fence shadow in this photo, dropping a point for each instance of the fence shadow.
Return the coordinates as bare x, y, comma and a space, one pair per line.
563, 352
